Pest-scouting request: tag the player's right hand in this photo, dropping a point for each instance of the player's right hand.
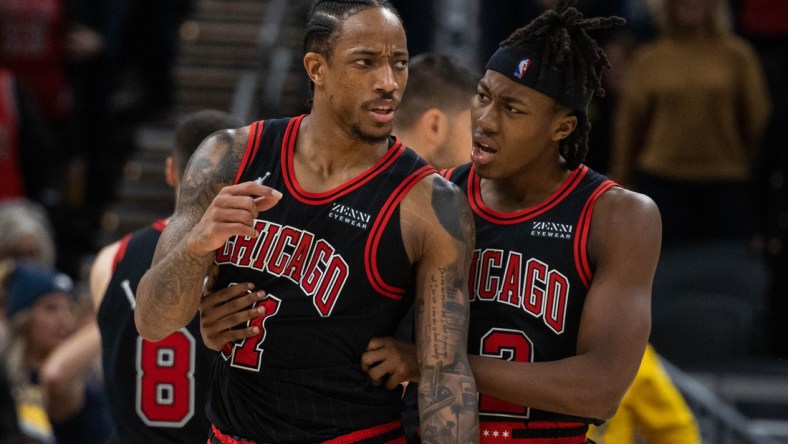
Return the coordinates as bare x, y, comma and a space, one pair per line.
391, 361
231, 213
222, 311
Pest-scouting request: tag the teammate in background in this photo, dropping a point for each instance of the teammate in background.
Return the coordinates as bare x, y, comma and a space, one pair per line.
342, 196
135, 369
434, 117
564, 262
156, 391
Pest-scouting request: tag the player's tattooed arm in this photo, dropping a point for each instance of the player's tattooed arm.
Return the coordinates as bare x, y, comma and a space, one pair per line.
447, 391
208, 212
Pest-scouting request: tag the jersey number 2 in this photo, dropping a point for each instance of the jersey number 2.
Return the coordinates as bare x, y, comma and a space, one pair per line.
165, 380
510, 345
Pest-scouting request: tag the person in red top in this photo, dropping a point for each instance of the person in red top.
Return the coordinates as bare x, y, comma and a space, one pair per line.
24, 141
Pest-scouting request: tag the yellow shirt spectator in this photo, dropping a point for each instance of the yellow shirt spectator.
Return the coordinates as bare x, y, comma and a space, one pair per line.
652, 411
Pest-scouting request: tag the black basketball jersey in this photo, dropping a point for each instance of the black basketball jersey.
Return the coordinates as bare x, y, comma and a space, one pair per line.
156, 390
336, 272
529, 277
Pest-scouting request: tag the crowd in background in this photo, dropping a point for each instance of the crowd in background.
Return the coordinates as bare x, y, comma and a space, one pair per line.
694, 117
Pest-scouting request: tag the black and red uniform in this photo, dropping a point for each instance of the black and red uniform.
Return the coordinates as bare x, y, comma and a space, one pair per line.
156, 390
528, 281
337, 274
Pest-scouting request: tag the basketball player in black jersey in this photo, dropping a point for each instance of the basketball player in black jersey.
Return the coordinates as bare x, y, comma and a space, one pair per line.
156, 390
564, 260
348, 230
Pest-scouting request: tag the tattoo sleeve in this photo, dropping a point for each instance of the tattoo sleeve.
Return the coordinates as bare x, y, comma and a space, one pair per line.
168, 295
447, 391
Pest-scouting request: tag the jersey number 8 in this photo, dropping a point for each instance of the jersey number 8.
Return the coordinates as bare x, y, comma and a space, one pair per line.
165, 380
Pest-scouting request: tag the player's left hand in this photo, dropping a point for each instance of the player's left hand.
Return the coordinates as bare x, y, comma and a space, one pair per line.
222, 311
392, 361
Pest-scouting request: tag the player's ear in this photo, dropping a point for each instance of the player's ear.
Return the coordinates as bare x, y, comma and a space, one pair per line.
170, 174
565, 124
315, 65
434, 126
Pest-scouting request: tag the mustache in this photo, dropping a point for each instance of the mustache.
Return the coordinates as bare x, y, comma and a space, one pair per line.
382, 99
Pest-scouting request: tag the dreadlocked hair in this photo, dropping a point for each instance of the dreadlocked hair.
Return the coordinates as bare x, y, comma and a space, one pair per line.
326, 17
559, 38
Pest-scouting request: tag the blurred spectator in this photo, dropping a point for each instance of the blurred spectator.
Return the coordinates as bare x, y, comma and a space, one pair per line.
689, 120
40, 309
31, 45
24, 141
765, 24
26, 233
9, 426
141, 39
38, 42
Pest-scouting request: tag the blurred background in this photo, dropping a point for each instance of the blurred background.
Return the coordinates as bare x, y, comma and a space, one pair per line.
695, 117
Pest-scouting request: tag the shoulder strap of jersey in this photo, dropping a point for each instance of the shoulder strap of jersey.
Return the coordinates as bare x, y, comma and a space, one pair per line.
252, 146
582, 262
124, 242
370, 252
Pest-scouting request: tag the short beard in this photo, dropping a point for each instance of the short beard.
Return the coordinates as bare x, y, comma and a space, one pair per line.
369, 138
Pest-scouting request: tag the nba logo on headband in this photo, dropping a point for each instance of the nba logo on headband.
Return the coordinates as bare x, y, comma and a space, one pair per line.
522, 67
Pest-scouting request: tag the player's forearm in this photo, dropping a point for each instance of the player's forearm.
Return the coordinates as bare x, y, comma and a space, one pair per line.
168, 295
448, 407
571, 386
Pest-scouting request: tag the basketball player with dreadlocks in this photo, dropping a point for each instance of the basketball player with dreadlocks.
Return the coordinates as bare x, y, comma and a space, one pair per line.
343, 228
564, 260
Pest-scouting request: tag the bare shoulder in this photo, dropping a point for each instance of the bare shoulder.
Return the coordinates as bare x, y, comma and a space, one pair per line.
216, 161
436, 209
212, 167
621, 206
101, 272
626, 220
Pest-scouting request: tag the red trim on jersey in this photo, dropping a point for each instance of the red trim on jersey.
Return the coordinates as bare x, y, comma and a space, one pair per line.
583, 228
252, 146
369, 433
288, 170
225, 439
124, 243
373, 240
490, 215
541, 432
350, 438
159, 225
447, 172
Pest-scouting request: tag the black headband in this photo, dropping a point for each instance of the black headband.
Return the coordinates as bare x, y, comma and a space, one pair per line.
525, 69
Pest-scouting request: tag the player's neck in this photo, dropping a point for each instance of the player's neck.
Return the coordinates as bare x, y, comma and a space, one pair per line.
524, 190
326, 157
